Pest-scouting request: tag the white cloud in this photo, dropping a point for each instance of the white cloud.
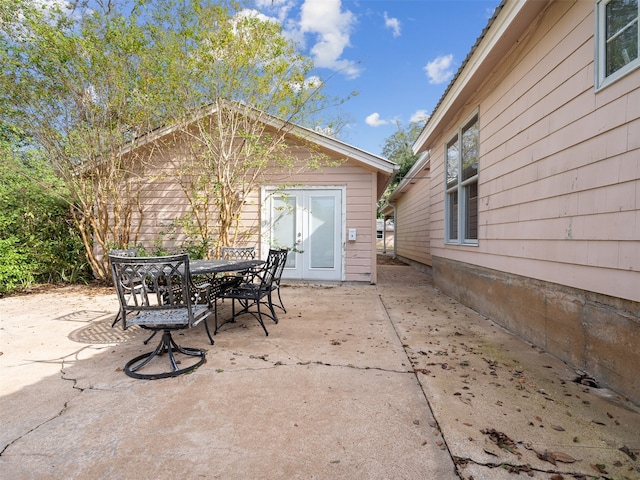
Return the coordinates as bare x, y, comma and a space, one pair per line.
279, 8
440, 69
393, 24
308, 84
269, 3
419, 116
332, 29
326, 131
374, 120
251, 13
66, 7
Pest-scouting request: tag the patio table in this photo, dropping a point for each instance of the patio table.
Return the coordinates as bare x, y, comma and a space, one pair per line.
212, 267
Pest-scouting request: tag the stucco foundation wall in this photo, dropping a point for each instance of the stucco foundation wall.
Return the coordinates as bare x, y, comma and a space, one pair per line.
592, 332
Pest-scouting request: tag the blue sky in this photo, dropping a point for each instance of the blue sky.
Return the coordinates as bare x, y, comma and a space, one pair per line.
399, 55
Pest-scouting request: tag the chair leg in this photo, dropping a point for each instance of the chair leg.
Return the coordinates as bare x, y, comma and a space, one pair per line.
281, 306
206, 322
117, 319
146, 342
167, 344
259, 317
271, 306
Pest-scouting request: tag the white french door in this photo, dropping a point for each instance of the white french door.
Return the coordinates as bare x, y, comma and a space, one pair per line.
310, 223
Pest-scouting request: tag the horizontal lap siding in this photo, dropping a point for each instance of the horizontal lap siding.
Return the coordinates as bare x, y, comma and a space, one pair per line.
413, 222
163, 202
436, 212
559, 178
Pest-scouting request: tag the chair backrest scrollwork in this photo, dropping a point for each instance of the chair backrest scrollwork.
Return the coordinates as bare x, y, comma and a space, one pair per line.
238, 253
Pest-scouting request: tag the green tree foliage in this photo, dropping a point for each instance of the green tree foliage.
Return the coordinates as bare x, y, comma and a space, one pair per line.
73, 85
38, 240
254, 85
397, 148
88, 86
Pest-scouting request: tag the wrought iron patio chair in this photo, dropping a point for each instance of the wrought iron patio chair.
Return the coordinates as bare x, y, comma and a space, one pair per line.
237, 253
157, 293
255, 292
126, 252
275, 286
219, 286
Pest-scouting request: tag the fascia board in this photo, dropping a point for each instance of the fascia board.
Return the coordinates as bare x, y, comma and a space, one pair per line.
337, 146
344, 149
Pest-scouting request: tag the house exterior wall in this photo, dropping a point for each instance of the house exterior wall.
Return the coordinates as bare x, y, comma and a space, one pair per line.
558, 254
361, 201
413, 222
559, 165
164, 201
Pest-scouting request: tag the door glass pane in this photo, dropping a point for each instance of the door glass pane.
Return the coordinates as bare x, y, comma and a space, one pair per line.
283, 230
321, 232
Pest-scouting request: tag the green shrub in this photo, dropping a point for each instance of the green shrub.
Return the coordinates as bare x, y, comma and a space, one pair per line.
16, 267
38, 241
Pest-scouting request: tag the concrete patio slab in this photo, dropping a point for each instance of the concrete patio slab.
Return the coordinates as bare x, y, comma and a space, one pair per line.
383, 381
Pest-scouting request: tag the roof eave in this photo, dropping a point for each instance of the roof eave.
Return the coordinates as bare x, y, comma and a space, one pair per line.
423, 163
343, 149
479, 57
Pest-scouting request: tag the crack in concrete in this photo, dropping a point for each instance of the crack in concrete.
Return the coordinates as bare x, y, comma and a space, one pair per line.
59, 414
73, 380
350, 365
279, 363
61, 360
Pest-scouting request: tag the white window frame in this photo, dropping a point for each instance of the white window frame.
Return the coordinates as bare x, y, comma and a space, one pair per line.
601, 78
460, 189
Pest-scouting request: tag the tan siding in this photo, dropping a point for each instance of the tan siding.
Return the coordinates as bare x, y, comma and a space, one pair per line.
559, 168
412, 226
164, 202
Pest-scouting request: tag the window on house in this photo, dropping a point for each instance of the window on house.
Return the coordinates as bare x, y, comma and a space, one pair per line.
617, 39
461, 185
